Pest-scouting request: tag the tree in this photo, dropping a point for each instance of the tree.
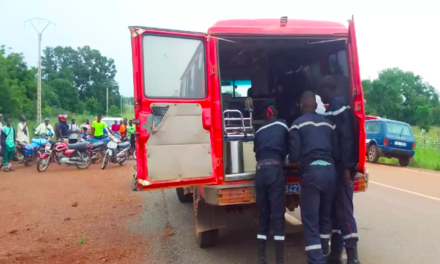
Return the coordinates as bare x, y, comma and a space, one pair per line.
402, 96
86, 74
114, 111
17, 82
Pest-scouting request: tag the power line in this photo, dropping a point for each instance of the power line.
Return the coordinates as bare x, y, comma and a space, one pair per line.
40, 33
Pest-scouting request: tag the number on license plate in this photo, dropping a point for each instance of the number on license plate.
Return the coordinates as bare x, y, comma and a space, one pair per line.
398, 143
293, 188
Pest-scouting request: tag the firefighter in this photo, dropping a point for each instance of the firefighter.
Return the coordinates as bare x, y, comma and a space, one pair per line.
313, 145
344, 231
270, 151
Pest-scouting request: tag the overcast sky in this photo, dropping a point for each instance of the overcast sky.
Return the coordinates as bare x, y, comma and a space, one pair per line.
390, 33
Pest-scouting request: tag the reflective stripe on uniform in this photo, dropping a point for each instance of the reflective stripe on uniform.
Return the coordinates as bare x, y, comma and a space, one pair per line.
278, 238
310, 123
313, 247
337, 112
272, 124
336, 231
324, 236
262, 237
350, 236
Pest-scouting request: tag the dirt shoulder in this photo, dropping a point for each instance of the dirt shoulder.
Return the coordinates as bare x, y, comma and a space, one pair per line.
70, 216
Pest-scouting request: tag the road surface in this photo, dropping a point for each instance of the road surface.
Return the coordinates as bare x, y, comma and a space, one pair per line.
70, 216
398, 219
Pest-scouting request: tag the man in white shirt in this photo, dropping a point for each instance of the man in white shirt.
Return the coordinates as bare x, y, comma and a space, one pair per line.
44, 128
73, 127
22, 131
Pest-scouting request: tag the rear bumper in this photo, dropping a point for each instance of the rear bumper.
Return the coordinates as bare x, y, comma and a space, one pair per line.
245, 192
393, 152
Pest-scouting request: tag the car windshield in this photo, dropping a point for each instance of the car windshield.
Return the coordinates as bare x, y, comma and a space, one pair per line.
109, 123
399, 129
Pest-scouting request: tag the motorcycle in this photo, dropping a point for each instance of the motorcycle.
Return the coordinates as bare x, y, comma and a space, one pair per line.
117, 152
28, 153
97, 148
77, 154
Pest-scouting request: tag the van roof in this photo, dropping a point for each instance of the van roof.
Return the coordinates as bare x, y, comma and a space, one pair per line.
272, 26
386, 120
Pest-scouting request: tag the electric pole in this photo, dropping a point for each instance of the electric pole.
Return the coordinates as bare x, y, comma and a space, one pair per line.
122, 112
106, 112
40, 34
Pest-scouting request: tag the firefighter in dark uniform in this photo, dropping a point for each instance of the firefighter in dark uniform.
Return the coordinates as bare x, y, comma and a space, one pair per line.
344, 231
270, 151
313, 145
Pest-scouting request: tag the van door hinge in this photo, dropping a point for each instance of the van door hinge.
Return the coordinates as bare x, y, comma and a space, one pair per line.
218, 162
213, 70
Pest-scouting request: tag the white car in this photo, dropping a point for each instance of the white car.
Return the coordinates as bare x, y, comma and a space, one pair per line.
109, 121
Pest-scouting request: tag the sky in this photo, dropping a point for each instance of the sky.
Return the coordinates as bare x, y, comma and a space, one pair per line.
390, 33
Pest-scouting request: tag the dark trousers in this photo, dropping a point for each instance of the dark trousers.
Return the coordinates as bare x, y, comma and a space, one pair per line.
270, 187
344, 228
317, 189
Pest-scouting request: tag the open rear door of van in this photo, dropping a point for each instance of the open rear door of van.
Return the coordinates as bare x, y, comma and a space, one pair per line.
172, 108
361, 179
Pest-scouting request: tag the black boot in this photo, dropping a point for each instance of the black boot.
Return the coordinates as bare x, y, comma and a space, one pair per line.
279, 252
261, 252
352, 255
334, 258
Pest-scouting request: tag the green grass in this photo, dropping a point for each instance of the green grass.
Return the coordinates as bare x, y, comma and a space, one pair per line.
424, 158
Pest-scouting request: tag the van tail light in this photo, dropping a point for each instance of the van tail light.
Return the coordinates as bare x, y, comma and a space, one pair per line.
413, 147
386, 142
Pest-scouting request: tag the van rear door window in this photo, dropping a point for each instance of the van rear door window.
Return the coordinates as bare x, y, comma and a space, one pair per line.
174, 67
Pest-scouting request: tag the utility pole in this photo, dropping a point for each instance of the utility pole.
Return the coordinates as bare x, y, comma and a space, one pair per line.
106, 112
122, 111
40, 34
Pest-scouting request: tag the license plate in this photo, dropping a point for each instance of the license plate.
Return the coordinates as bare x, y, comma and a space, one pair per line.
293, 188
398, 143
112, 144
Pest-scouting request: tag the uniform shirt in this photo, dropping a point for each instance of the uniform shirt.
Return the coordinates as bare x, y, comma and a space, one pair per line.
42, 128
313, 137
339, 112
270, 140
22, 133
99, 128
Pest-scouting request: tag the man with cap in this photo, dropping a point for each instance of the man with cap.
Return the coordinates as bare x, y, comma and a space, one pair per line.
344, 231
270, 143
44, 128
313, 146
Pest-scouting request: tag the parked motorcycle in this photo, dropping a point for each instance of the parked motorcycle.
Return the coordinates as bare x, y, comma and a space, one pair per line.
77, 154
117, 152
97, 150
28, 153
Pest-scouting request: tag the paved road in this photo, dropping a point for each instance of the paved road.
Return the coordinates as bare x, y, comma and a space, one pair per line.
398, 219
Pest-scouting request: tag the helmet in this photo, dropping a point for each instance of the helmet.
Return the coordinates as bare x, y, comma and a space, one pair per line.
63, 118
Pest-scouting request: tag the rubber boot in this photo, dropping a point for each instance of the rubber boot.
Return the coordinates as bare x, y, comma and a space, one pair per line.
279, 252
334, 258
261, 252
352, 255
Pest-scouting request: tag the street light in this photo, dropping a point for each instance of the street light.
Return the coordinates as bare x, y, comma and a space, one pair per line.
40, 33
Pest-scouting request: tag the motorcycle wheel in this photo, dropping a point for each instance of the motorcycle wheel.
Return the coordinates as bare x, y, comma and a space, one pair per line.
98, 157
134, 154
43, 164
124, 159
134, 183
105, 161
28, 163
88, 160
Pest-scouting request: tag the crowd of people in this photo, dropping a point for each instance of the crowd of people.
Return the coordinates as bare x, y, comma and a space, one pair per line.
61, 130
322, 145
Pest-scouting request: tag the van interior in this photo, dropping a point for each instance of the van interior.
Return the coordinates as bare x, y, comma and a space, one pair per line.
258, 71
